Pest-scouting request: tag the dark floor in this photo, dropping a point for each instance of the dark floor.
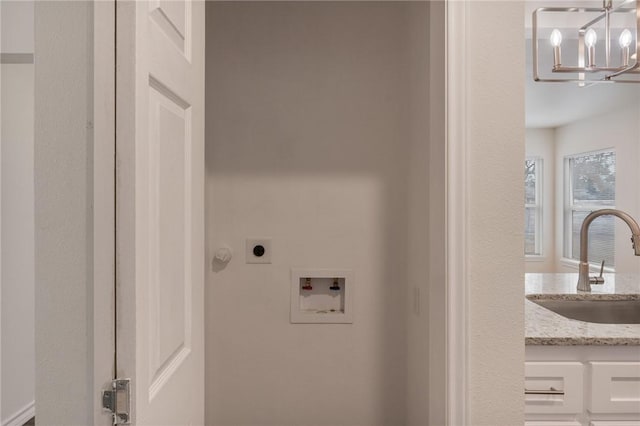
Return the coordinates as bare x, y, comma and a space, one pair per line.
31, 422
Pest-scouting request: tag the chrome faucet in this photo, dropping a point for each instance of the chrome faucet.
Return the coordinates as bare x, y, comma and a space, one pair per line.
584, 280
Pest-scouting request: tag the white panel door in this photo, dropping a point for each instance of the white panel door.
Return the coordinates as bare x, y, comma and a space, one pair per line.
160, 208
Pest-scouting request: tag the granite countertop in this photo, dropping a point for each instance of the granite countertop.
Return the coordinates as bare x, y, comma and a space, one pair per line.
544, 327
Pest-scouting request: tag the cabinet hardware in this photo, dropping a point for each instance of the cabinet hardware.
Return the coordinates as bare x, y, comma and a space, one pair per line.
551, 391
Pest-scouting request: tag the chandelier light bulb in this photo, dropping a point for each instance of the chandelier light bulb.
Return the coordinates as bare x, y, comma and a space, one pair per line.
625, 42
556, 38
556, 41
625, 38
590, 38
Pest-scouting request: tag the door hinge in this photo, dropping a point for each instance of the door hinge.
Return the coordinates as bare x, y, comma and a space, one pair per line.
117, 400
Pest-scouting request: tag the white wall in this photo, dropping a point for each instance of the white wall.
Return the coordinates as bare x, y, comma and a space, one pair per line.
496, 138
540, 143
18, 351
618, 129
17, 26
18, 340
437, 202
417, 230
65, 390
310, 141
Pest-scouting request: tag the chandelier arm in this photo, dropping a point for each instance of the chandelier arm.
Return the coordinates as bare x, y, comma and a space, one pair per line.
619, 9
607, 36
630, 69
617, 70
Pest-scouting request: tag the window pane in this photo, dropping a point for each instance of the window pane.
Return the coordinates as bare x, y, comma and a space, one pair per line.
530, 231
529, 182
594, 179
601, 238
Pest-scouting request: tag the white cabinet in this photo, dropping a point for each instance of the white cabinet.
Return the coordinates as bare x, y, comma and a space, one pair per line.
615, 387
582, 386
553, 387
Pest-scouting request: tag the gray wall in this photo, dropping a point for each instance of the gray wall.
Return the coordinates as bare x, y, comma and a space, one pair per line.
63, 219
318, 136
18, 352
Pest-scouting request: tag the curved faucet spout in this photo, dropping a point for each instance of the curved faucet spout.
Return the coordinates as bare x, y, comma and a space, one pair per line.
584, 281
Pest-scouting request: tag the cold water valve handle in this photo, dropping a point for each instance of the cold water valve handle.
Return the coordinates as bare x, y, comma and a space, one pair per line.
335, 286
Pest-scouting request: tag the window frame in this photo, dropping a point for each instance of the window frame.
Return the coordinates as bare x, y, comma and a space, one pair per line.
570, 208
538, 207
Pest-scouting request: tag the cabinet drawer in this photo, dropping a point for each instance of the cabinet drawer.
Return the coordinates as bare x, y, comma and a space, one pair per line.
557, 387
615, 387
552, 423
615, 423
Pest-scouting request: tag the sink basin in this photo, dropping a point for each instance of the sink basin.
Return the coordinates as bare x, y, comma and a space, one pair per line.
598, 311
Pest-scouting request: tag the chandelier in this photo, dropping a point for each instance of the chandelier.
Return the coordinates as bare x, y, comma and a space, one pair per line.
600, 43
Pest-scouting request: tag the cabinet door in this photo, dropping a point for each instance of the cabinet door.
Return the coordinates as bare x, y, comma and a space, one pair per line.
615, 387
553, 387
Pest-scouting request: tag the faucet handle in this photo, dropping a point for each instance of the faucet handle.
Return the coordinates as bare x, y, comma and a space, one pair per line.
598, 279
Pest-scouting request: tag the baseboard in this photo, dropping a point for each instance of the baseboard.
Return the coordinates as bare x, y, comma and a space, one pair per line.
20, 417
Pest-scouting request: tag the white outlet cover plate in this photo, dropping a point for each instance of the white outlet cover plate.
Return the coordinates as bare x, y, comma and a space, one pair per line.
251, 243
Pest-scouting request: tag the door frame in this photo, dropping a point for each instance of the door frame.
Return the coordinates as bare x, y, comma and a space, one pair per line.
457, 214
104, 220
1, 227
456, 193
88, 175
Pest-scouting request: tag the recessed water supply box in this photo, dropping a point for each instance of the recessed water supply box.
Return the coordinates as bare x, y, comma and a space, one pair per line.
322, 296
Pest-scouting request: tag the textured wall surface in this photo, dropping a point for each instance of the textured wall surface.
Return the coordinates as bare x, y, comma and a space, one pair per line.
63, 224
496, 153
311, 142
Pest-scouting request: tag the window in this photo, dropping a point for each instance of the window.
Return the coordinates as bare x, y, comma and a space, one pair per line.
533, 207
591, 185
